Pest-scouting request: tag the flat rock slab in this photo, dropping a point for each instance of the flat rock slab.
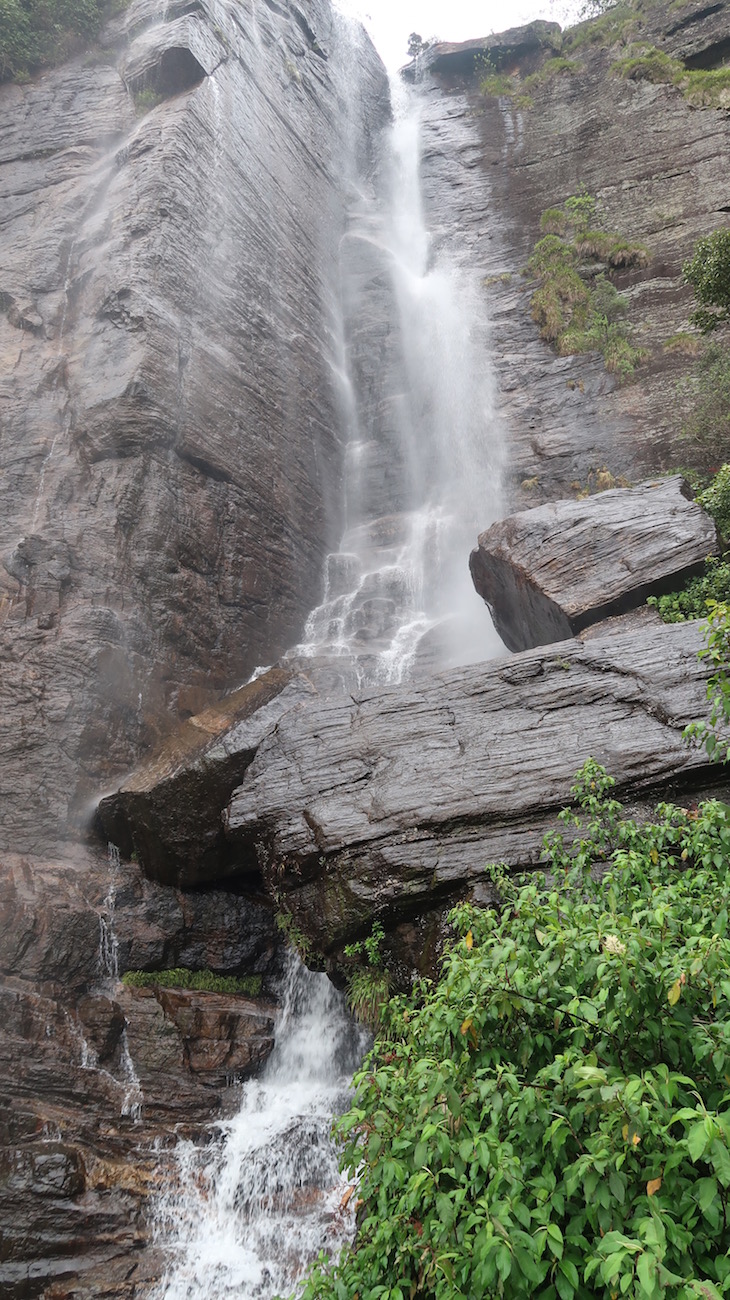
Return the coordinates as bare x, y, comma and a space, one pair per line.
391, 804
168, 812
548, 573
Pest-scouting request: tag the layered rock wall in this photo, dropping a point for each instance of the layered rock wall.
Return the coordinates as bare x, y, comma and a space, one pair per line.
171, 430
171, 443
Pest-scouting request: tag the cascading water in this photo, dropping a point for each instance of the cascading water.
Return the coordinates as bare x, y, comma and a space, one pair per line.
245, 1214
423, 461
243, 1217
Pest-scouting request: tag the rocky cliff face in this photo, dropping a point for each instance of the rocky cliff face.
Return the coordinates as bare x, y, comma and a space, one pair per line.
171, 442
171, 436
171, 450
656, 164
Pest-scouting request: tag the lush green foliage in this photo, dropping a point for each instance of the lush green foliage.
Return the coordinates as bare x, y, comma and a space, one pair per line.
715, 734
368, 985
38, 32
694, 598
715, 499
701, 593
202, 980
552, 1118
581, 312
708, 271
707, 423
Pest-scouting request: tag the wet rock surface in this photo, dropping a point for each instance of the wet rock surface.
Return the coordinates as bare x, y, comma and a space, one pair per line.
169, 282
171, 449
656, 165
550, 572
390, 804
387, 804
95, 1077
168, 813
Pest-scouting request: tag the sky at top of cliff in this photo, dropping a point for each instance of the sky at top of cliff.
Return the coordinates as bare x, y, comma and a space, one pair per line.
390, 22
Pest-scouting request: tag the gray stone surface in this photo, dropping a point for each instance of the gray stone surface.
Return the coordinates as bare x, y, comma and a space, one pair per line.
168, 813
391, 803
170, 416
171, 210
550, 572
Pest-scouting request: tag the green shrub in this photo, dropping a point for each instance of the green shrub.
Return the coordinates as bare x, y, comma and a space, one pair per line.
551, 1119
200, 980
708, 88
692, 601
575, 310
368, 987
34, 33
497, 83
708, 271
650, 64
715, 499
715, 733
707, 424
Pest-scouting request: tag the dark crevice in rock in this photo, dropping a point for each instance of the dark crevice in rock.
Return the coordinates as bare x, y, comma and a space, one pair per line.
176, 71
712, 56
205, 467
691, 19
308, 31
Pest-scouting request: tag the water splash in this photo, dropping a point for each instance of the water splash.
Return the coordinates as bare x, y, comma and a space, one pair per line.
247, 1213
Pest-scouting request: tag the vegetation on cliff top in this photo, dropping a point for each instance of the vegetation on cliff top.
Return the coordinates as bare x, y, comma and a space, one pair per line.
552, 1118
37, 33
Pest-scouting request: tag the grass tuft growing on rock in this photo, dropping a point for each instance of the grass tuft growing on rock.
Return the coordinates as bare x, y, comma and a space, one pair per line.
576, 307
204, 981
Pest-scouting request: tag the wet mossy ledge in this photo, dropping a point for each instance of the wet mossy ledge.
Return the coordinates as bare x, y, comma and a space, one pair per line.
198, 981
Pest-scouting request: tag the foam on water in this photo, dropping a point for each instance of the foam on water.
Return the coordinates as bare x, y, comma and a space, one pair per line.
246, 1213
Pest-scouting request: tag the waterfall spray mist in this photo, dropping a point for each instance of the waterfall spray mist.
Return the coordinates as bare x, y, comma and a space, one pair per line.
423, 462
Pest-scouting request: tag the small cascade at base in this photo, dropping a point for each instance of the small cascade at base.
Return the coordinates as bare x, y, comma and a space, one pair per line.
247, 1212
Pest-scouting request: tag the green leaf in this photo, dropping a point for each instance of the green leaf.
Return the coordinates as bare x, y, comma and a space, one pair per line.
697, 1141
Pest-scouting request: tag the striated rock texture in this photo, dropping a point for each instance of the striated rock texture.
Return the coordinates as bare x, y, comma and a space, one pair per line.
393, 802
170, 447
95, 1078
550, 572
169, 811
171, 426
387, 804
657, 165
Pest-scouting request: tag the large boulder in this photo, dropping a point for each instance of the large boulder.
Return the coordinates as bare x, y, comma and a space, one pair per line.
387, 804
548, 573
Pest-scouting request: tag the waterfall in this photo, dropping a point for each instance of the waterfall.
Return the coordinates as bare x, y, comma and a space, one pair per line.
245, 1214
423, 463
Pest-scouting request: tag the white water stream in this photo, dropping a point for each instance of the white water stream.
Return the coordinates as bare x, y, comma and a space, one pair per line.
420, 488
245, 1215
